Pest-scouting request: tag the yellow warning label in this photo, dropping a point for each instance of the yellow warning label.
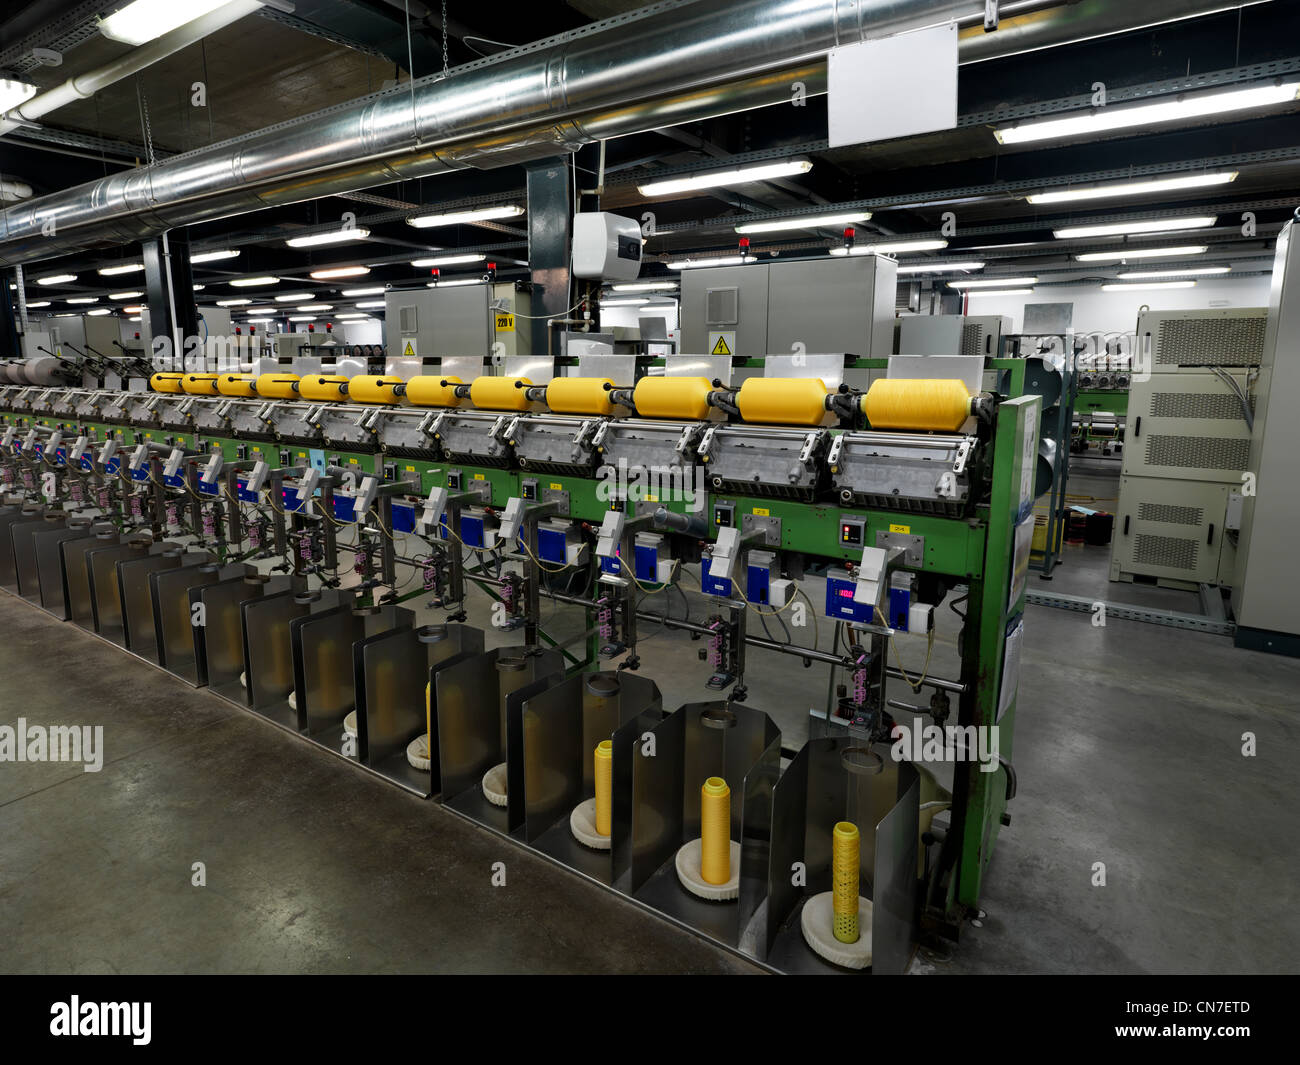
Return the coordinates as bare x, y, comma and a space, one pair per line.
353, 461
720, 348
479, 477
900, 528
556, 486
762, 512
505, 323
408, 351
410, 469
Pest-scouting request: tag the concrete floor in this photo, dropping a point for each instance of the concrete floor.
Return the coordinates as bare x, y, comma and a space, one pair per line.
1128, 752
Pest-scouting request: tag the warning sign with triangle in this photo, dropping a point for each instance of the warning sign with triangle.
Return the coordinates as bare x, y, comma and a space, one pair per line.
409, 350
720, 346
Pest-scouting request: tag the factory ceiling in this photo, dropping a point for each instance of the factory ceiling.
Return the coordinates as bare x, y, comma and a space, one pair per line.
272, 66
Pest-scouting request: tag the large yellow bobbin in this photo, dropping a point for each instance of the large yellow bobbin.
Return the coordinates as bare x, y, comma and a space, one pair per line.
604, 785
326, 387
782, 400
580, 395
277, 385
937, 405
431, 391
500, 393
715, 831
366, 388
845, 844
236, 384
200, 384
673, 397
166, 382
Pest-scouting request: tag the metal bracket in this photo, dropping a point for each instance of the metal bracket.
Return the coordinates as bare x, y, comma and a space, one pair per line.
436, 428
601, 433
558, 496
913, 547
963, 456
684, 441
769, 527
833, 457
706, 442
809, 446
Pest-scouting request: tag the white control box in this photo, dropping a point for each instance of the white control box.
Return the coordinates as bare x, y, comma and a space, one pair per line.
606, 246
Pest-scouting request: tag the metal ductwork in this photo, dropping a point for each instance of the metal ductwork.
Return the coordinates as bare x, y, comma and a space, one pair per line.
677, 62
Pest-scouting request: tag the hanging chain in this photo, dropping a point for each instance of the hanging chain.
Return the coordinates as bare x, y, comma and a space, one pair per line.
445, 67
144, 121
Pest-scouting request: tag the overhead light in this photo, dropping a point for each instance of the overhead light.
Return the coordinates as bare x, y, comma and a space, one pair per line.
1134, 188
124, 268
98, 311
213, 256
449, 260
346, 317
146, 20
723, 260
370, 303
56, 279
135, 319
254, 282
294, 297
13, 93
1147, 275
198, 288
314, 307
337, 236
135, 309
302, 318
39, 303
125, 295
259, 319
263, 310
376, 291
456, 283
624, 303
939, 268
455, 218
1001, 292
339, 271
812, 221
82, 299
993, 282
233, 303
1148, 287
1142, 253
645, 286
1146, 225
717, 178
1181, 108
892, 248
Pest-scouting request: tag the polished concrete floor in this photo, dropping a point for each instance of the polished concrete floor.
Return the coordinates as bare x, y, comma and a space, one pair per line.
1128, 751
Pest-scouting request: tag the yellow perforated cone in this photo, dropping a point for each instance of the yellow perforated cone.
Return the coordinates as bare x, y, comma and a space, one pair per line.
844, 878
715, 831
604, 785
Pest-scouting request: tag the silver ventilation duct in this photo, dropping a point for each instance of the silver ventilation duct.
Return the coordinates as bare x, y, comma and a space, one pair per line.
670, 63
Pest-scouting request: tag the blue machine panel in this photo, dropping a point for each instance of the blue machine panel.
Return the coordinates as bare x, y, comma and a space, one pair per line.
403, 519
647, 563
757, 580
471, 531
550, 546
714, 585
840, 604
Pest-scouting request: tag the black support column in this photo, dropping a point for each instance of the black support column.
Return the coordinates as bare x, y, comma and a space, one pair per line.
169, 285
550, 235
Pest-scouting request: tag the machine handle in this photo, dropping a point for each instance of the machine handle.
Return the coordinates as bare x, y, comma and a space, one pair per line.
1137, 427
1126, 517
1210, 538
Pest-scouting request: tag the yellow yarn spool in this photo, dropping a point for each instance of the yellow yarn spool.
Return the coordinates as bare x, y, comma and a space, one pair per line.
200, 384
715, 831
783, 400
368, 389
939, 405
500, 393
277, 385
580, 395
236, 384
844, 879
430, 391
328, 387
673, 397
604, 785
166, 382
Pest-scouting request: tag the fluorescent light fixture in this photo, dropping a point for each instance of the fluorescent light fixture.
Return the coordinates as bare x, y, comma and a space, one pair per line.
1148, 275
339, 271
812, 221
233, 303
147, 20
337, 236
345, 317
645, 286
213, 256
262, 310
82, 299
314, 307
56, 279
939, 268
723, 260
1142, 253
254, 282
125, 295
717, 178
13, 93
1146, 225
1149, 286
39, 303
258, 319
135, 319
1134, 188
124, 268
199, 288
1001, 292
455, 218
456, 283
994, 282
1176, 109
624, 303
134, 309
302, 318
378, 290
295, 297
449, 260
892, 248
370, 303
98, 311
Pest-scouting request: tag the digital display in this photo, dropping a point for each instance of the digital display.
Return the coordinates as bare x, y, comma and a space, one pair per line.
844, 593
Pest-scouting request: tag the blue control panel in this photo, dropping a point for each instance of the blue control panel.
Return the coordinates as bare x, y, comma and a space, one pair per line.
840, 604
714, 585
